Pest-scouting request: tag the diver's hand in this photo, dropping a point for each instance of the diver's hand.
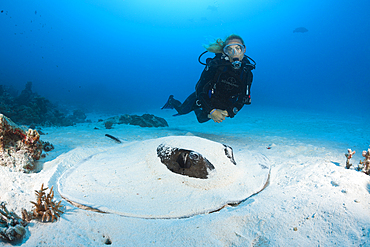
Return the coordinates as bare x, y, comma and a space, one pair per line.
218, 115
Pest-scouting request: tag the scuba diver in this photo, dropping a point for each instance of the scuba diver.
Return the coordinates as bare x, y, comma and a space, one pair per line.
224, 86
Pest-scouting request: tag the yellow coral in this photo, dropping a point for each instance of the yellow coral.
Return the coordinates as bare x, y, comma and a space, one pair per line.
45, 208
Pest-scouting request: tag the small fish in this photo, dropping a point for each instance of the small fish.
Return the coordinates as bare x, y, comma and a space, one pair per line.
300, 30
113, 138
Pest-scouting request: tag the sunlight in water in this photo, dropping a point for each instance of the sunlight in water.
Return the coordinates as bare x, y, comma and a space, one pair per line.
188, 10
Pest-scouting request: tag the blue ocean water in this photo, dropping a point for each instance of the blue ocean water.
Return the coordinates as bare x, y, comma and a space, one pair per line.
127, 56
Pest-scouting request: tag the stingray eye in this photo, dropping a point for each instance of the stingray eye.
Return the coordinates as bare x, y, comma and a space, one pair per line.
194, 156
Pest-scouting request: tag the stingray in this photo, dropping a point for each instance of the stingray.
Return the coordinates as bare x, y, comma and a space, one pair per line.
300, 30
133, 179
187, 162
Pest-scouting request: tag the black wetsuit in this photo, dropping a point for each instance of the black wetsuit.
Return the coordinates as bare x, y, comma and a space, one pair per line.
219, 87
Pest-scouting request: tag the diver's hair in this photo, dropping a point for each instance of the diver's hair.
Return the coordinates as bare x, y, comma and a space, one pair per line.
215, 47
219, 44
234, 36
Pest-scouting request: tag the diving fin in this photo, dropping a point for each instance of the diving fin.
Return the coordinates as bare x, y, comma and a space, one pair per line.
168, 103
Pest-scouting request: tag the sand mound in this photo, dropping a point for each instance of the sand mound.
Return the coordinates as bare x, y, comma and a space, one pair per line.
130, 180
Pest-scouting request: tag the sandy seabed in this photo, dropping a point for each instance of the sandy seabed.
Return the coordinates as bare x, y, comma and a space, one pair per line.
310, 200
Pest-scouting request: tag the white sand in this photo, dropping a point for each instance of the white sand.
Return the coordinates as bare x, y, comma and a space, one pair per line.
311, 199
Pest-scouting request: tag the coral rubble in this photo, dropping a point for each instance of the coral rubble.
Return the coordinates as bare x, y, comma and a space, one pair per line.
19, 148
146, 120
11, 225
45, 208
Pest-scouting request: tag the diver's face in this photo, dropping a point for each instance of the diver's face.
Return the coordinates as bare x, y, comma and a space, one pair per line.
235, 50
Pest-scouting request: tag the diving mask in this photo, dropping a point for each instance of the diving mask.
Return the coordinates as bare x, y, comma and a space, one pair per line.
234, 50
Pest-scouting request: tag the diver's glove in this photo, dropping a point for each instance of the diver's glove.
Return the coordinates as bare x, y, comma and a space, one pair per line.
218, 115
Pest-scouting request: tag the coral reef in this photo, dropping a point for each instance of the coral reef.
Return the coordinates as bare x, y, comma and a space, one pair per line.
47, 146
146, 120
29, 108
78, 116
364, 165
108, 125
45, 208
19, 148
349, 156
11, 225
366, 161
